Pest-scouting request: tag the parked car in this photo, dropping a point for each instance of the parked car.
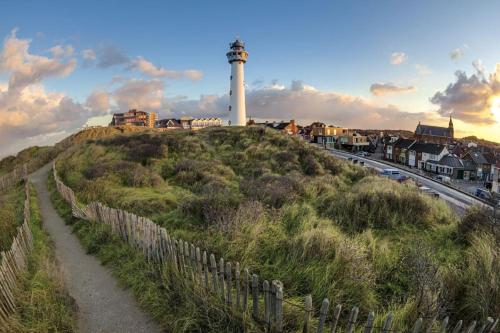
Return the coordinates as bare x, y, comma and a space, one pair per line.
363, 153
393, 174
483, 194
443, 179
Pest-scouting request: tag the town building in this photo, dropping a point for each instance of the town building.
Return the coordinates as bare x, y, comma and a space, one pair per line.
288, 127
397, 151
354, 141
452, 166
435, 134
495, 178
134, 118
237, 57
321, 133
481, 164
188, 123
421, 152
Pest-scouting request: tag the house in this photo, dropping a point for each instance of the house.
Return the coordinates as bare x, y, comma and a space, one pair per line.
481, 164
435, 134
495, 178
289, 127
398, 150
353, 141
421, 152
187, 123
327, 134
134, 118
452, 166
168, 124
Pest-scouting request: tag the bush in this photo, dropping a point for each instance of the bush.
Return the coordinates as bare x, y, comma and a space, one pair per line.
273, 190
478, 220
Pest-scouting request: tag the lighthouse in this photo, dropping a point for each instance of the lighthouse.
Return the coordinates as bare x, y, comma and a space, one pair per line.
237, 57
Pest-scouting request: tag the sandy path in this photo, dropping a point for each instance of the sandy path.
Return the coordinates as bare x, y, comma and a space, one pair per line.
103, 306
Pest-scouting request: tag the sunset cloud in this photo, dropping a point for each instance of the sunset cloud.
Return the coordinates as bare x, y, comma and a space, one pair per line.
470, 98
381, 89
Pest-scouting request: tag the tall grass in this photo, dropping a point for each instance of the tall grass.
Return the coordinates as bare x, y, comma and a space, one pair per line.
43, 303
289, 212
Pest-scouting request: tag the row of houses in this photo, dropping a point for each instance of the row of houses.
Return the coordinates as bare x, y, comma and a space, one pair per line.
441, 159
149, 119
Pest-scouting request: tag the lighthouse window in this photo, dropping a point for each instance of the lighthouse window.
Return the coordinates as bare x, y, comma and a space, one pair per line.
229, 107
231, 77
230, 92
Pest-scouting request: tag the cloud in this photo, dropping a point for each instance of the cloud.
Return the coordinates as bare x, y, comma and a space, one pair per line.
478, 66
26, 68
98, 102
398, 58
457, 53
110, 55
423, 70
140, 94
27, 110
301, 102
61, 51
142, 65
88, 54
470, 98
381, 89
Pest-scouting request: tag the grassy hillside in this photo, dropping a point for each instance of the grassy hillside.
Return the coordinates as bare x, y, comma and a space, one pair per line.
293, 213
11, 214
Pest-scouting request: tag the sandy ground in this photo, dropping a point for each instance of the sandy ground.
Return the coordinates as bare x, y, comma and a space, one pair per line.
103, 306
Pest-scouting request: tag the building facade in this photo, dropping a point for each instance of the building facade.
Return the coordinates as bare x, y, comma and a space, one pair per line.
435, 134
134, 118
188, 123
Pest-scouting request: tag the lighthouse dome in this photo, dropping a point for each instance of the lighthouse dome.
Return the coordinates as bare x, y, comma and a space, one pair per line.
237, 44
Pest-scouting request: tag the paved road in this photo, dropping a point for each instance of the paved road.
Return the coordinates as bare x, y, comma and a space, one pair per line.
454, 197
103, 306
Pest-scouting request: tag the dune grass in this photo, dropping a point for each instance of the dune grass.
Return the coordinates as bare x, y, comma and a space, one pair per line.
11, 214
291, 212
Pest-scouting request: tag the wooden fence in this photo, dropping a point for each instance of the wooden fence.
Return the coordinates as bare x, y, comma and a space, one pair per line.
13, 262
238, 288
12, 178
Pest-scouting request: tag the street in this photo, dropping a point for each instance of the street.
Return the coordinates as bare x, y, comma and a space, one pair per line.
458, 201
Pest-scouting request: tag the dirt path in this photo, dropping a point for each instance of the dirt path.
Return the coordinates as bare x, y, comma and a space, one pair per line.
103, 306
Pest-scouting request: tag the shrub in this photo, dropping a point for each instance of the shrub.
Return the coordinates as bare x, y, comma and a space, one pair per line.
478, 220
273, 190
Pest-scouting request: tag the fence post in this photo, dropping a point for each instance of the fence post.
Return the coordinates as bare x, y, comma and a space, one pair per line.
198, 261
444, 324
387, 324
457, 327
205, 269
267, 305
369, 323
221, 277
487, 323
238, 289
255, 294
491, 329
279, 309
181, 257
352, 319
323, 312
335, 320
307, 314
417, 326
229, 281
213, 268
247, 290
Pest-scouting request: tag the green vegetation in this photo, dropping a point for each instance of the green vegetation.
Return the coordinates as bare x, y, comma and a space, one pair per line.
291, 212
42, 301
11, 214
177, 308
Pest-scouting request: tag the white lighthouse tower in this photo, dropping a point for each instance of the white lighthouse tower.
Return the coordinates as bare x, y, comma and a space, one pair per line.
237, 57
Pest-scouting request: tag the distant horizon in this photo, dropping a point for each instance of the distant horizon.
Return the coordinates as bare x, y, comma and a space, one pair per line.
350, 63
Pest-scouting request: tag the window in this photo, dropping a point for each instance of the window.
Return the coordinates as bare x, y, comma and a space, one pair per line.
229, 107
231, 77
230, 92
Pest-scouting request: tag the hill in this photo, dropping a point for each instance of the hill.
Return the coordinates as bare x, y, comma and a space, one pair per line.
292, 212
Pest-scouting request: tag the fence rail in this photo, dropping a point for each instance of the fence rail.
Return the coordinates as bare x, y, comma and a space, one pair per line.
238, 288
14, 261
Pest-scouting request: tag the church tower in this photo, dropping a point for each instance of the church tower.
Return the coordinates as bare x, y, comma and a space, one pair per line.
450, 128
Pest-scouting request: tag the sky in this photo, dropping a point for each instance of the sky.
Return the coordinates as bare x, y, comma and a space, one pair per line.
359, 64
